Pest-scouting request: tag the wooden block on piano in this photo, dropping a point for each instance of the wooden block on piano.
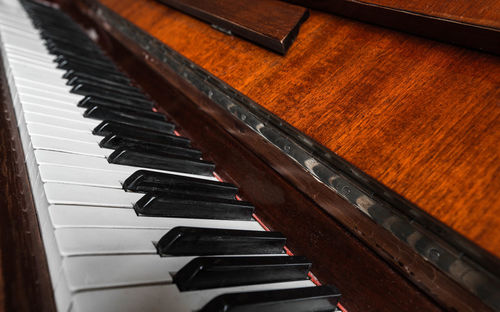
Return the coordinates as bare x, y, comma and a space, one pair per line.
269, 23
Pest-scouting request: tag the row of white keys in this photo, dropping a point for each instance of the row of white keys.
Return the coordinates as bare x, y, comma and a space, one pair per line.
91, 230
12, 16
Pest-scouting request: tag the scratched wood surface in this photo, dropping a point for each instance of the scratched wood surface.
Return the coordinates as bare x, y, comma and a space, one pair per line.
419, 116
478, 12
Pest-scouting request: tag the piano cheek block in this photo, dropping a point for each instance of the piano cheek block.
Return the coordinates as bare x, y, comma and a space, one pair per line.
173, 205
188, 241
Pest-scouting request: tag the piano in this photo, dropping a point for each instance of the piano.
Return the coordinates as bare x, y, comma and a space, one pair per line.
151, 162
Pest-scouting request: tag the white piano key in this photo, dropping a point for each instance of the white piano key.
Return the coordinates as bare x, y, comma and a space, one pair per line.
77, 125
54, 74
107, 241
22, 43
159, 298
69, 146
9, 30
48, 58
66, 216
60, 133
69, 194
27, 59
44, 85
79, 161
54, 111
91, 272
79, 176
50, 95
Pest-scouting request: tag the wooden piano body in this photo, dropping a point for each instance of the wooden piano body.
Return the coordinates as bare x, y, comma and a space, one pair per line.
374, 151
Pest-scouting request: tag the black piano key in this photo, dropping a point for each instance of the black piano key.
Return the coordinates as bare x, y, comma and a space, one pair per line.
111, 127
73, 78
107, 127
91, 86
87, 90
80, 46
66, 59
304, 299
114, 141
189, 241
65, 51
120, 78
153, 181
88, 68
147, 159
103, 113
64, 37
123, 136
76, 43
70, 62
105, 83
90, 101
161, 204
133, 111
215, 272
61, 58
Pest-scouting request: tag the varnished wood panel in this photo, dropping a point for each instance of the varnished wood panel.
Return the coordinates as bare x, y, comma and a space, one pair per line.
271, 23
419, 116
24, 277
471, 24
478, 12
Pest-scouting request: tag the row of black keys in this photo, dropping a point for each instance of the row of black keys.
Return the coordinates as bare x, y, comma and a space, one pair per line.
144, 138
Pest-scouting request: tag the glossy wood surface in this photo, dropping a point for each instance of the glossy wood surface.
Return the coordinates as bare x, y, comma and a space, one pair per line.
470, 24
478, 12
24, 277
270, 23
419, 116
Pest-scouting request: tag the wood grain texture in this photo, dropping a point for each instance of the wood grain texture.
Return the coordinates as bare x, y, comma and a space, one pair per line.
418, 116
443, 21
270, 23
24, 277
337, 256
479, 12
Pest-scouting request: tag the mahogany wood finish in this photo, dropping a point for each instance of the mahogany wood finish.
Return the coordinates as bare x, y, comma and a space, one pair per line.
473, 24
418, 116
24, 277
480, 12
270, 23
337, 256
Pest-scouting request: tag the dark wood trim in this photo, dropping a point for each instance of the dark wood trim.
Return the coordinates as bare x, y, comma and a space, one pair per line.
23, 265
446, 30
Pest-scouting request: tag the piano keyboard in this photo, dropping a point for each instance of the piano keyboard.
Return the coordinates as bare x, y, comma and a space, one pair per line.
132, 217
